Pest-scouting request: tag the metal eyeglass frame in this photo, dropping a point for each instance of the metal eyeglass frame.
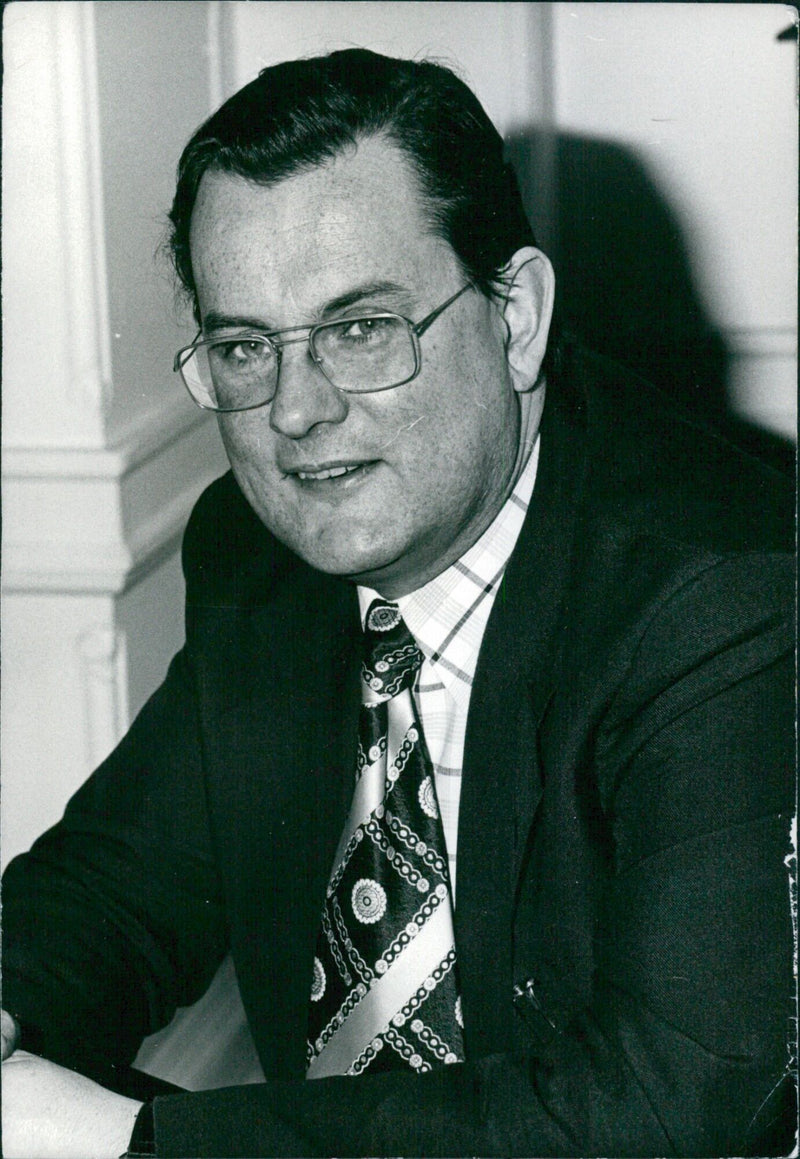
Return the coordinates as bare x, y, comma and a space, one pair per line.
415, 330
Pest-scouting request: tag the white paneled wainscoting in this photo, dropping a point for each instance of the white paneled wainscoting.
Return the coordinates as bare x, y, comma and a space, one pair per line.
91, 604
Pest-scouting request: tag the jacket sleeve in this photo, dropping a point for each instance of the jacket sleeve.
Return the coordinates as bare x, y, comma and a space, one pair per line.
685, 1045
115, 916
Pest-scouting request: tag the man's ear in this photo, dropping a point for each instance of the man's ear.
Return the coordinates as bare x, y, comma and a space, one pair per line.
527, 312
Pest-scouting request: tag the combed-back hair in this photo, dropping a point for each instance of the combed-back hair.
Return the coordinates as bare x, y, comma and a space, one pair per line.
298, 115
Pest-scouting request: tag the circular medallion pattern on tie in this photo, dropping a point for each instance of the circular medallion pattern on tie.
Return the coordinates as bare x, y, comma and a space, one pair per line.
383, 617
318, 983
368, 900
427, 798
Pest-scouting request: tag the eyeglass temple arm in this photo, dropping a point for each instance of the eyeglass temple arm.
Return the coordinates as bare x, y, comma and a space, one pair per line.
422, 326
179, 359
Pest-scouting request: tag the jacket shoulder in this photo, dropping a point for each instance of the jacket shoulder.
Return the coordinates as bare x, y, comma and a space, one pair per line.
663, 472
230, 559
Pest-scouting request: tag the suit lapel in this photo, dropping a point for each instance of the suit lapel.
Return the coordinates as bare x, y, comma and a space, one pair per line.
501, 784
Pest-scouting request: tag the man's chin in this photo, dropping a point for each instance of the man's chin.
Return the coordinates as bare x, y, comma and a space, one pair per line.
360, 562
370, 570
393, 567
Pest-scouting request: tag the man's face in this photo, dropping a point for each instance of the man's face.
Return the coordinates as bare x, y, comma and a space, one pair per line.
433, 459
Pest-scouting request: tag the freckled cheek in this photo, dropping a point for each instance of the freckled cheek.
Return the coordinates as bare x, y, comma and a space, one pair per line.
249, 447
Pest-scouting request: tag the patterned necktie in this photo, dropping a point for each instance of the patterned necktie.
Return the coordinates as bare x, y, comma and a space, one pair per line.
384, 994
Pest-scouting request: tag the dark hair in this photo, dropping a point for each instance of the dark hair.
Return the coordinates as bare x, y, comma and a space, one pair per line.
299, 114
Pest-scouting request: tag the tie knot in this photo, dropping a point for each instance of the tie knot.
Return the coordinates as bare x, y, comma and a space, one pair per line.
392, 658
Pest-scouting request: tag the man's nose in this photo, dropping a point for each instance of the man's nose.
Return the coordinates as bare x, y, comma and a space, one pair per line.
304, 397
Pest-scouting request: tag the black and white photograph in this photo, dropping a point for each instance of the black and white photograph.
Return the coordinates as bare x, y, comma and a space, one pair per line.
398, 579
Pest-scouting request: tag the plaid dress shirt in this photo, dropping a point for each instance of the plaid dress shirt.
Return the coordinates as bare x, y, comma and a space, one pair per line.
447, 618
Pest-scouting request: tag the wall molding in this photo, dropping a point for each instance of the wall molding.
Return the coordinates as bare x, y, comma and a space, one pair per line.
761, 341
149, 436
214, 41
102, 661
762, 376
81, 200
97, 521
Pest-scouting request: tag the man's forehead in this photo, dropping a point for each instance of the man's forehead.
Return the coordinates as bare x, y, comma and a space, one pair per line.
373, 175
323, 231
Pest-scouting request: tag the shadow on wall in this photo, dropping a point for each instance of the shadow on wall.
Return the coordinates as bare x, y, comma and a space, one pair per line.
624, 283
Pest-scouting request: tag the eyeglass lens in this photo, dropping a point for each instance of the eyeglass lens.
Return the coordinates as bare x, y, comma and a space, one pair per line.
359, 354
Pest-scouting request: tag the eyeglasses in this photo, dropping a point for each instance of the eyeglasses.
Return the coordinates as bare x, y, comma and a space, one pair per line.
359, 355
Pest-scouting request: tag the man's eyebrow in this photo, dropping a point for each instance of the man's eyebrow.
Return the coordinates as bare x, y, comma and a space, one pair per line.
214, 320
358, 293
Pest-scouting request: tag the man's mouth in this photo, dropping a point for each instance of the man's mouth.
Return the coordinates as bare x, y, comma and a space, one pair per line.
329, 472
331, 476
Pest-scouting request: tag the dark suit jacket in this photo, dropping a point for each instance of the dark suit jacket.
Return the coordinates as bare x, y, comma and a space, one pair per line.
625, 812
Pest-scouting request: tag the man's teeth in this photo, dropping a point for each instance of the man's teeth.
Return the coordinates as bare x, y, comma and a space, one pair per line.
331, 473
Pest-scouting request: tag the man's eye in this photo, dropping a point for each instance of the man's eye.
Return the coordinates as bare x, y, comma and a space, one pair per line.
240, 351
363, 330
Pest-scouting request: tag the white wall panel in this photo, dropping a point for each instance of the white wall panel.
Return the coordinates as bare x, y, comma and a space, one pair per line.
704, 96
706, 93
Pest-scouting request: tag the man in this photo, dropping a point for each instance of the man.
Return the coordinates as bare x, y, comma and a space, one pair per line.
601, 597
